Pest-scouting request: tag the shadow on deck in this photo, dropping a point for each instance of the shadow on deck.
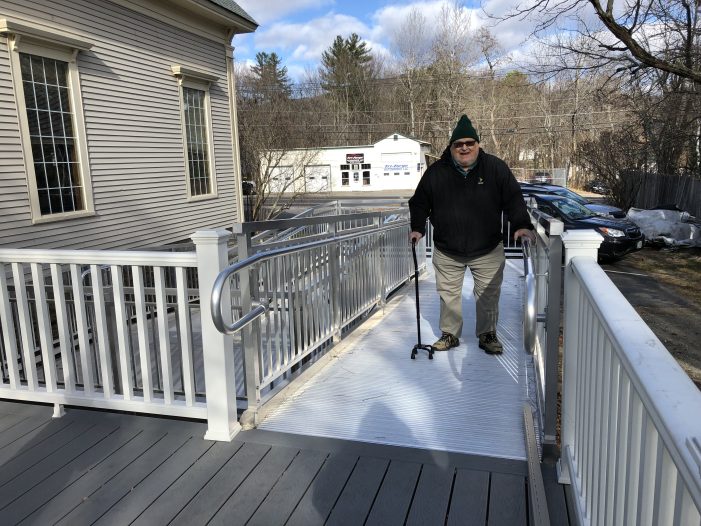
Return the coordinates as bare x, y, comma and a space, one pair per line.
93, 467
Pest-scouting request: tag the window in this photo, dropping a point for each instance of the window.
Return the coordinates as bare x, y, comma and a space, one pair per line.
365, 166
197, 131
47, 89
366, 178
344, 179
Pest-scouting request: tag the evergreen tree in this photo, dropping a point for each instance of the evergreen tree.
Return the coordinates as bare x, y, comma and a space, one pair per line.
270, 79
346, 73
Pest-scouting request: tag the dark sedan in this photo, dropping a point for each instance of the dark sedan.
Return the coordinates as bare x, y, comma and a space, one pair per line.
600, 209
620, 235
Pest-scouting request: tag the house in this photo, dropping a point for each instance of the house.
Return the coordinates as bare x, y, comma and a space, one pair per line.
118, 121
394, 163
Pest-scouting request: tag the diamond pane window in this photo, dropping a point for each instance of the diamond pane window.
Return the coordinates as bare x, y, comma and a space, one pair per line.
53, 140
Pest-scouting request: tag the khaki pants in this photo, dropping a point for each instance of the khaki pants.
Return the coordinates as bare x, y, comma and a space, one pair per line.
487, 272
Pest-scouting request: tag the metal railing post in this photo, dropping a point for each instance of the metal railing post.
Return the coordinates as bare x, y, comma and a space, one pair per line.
576, 243
552, 328
335, 269
381, 259
249, 337
217, 348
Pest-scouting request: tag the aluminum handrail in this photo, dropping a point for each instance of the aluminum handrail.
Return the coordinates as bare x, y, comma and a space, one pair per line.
530, 316
259, 309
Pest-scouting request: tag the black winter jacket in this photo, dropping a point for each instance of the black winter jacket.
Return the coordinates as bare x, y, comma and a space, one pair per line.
466, 212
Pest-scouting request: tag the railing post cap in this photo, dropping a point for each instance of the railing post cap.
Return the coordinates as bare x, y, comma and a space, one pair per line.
581, 238
557, 227
217, 236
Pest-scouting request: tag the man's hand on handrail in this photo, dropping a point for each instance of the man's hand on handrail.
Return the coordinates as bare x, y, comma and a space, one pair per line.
525, 233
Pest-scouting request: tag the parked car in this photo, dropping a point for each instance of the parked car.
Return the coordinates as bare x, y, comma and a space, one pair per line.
600, 209
597, 186
621, 236
542, 177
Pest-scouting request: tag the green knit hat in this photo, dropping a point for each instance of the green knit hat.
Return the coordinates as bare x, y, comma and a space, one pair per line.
464, 130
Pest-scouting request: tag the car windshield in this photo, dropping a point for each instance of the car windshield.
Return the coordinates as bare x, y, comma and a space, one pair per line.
564, 192
571, 209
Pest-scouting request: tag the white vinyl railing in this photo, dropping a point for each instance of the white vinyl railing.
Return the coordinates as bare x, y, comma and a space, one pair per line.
103, 329
631, 417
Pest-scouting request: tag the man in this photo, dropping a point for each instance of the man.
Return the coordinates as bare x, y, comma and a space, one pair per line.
464, 194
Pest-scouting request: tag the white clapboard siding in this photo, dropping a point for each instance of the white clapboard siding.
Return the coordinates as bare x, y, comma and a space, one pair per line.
131, 108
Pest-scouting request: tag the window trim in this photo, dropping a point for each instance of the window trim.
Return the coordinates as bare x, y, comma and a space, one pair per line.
32, 40
199, 80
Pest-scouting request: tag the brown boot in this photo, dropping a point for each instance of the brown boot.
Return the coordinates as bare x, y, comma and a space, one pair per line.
490, 343
445, 342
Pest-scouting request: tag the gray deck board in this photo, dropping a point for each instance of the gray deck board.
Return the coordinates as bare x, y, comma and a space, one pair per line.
131, 506
31, 430
58, 504
469, 503
180, 493
114, 469
94, 507
244, 502
355, 502
507, 500
66, 477
282, 500
8, 422
218, 490
394, 498
39, 448
432, 496
557, 504
320, 497
25, 475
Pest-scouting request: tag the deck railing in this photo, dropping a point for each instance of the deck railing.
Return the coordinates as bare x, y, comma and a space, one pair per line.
631, 417
103, 329
541, 334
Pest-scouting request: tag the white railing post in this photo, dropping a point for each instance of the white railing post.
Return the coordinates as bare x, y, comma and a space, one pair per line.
576, 243
217, 348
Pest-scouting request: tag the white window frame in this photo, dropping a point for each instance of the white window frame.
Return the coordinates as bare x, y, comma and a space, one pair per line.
199, 80
26, 38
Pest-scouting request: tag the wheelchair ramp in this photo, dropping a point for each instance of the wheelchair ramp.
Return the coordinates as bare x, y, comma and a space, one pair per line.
461, 401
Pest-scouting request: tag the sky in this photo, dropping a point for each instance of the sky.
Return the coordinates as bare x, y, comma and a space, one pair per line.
300, 30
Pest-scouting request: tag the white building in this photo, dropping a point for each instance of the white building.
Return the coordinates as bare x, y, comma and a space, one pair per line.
394, 163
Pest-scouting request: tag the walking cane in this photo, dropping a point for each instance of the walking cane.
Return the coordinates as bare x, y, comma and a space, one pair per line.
419, 345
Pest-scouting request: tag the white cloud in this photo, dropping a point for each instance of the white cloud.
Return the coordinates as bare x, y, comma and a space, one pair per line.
300, 44
306, 42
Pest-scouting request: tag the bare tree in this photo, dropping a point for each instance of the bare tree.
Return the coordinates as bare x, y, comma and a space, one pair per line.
269, 129
616, 158
412, 50
639, 34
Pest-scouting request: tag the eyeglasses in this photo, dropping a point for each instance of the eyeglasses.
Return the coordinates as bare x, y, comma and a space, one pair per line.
459, 144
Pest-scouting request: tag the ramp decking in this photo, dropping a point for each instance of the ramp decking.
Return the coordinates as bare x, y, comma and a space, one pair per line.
461, 401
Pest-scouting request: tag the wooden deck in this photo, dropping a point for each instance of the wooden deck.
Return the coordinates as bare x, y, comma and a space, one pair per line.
92, 467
